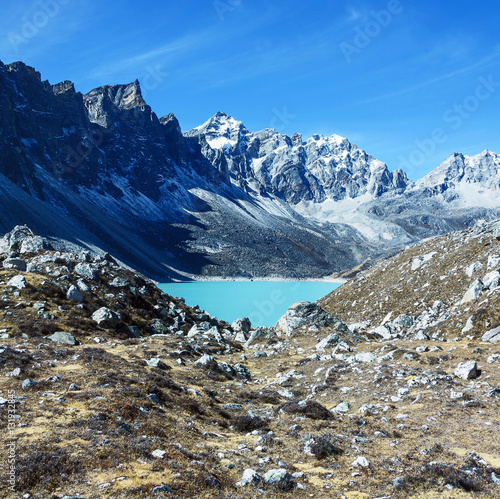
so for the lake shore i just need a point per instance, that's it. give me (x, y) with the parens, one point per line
(262, 279)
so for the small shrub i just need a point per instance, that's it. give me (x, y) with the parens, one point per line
(323, 446)
(246, 424)
(311, 409)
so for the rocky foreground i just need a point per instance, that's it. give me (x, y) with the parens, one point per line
(388, 388)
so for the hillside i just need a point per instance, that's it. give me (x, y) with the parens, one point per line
(119, 390)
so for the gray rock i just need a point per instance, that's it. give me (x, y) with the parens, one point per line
(73, 387)
(233, 407)
(206, 361)
(159, 327)
(119, 282)
(473, 292)
(249, 477)
(421, 336)
(15, 373)
(82, 286)
(14, 263)
(361, 461)
(275, 477)
(63, 338)
(254, 336)
(398, 482)
(34, 245)
(106, 317)
(301, 313)
(330, 340)
(74, 294)
(491, 280)
(383, 331)
(342, 407)
(225, 367)
(161, 488)
(473, 267)
(18, 282)
(28, 383)
(242, 371)
(214, 333)
(88, 271)
(365, 357)
(240, 337)
(494, 358)
(259, 354)
(493, 261)
(492, 336)
(158, 363)
(130, 331)
(403, 320)
(11, 242)
(194, 331)
(467, 370)
(242, 325)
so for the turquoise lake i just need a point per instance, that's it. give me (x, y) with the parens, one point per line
(263, 302)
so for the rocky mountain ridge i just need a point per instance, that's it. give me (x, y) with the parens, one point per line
(316, 170)
(104, 171)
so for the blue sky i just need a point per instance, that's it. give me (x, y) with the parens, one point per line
(410, 82)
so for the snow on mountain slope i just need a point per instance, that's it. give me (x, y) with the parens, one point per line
(482, 170)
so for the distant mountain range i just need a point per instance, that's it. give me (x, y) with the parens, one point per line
(102, 170)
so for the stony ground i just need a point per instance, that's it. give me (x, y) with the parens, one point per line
(119, 390)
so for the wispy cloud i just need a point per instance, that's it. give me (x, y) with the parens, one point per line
(167, 53)
(483, 64)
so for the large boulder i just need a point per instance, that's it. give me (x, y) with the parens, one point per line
(63, 338)
(34, 245)
(492, 336)
(14, 263)
(88, 271)
(21, 240)
(255, 335)
(242, 325)
(473, 292)
(106, 317)
(74, 294)
(467, 370)
(18, 282)
(304, 312)
(276, 477)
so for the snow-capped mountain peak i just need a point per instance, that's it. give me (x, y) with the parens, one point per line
(221, 131)
(481, 170)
